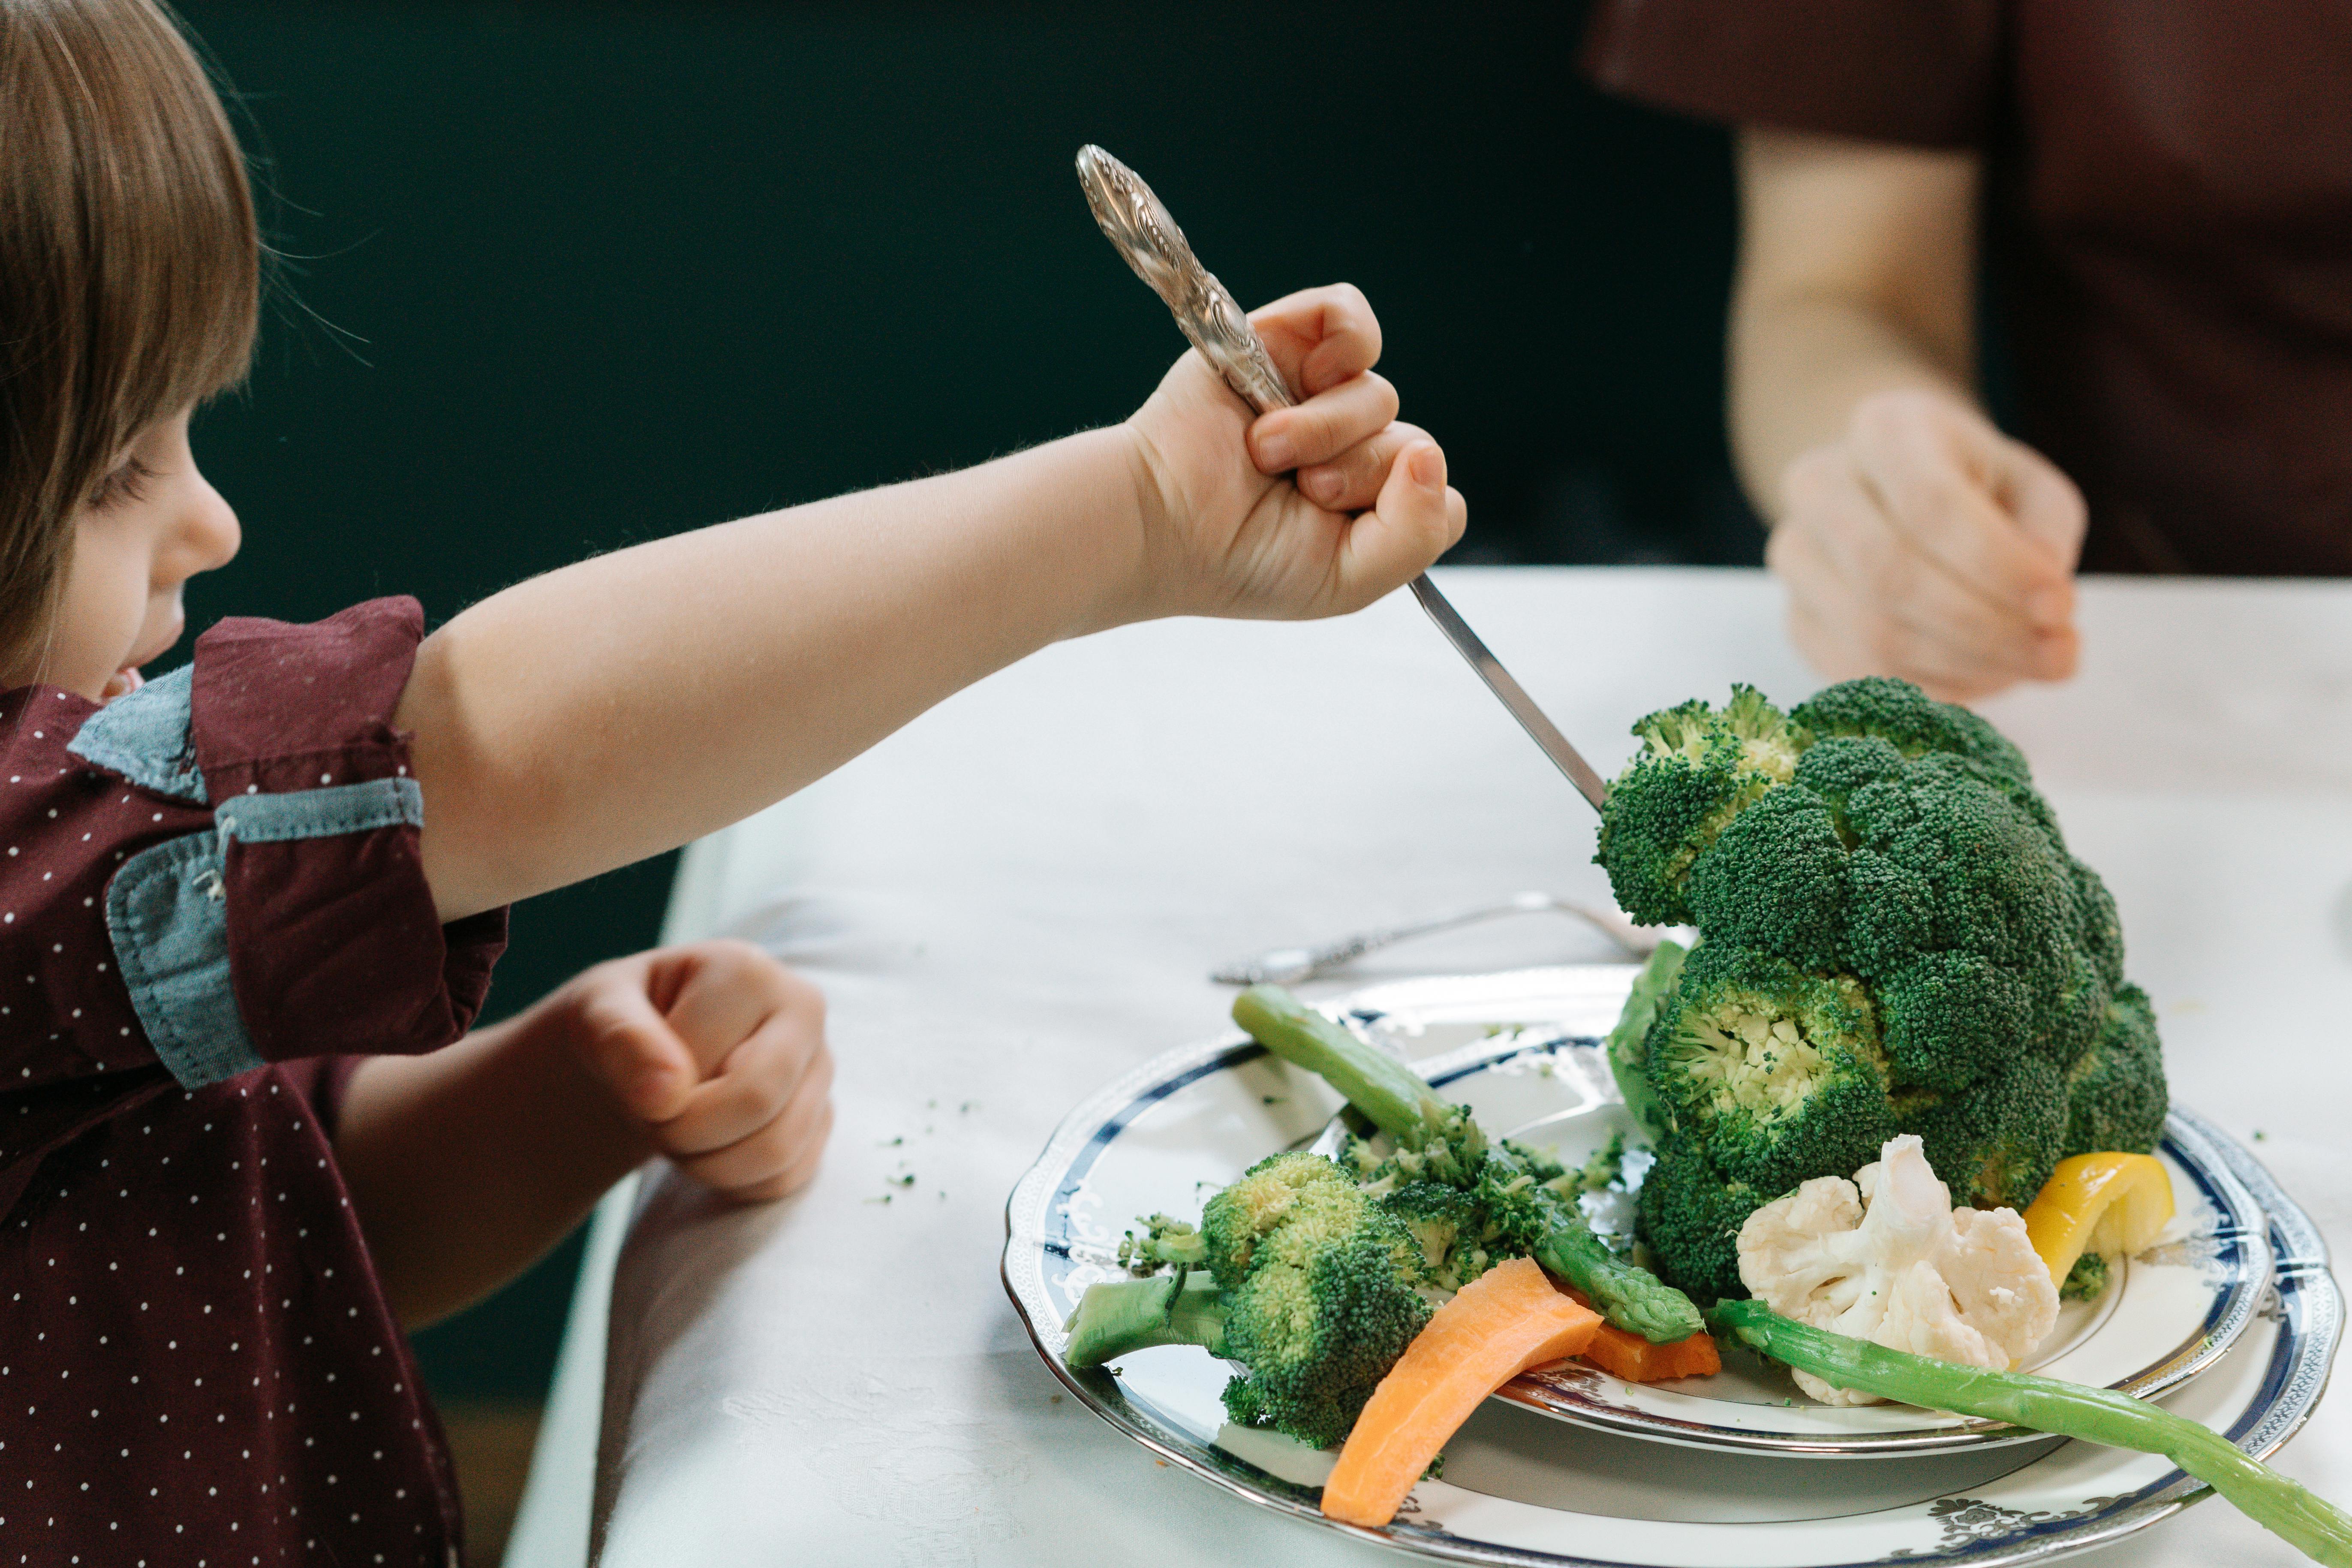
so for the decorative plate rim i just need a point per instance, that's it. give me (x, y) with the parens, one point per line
(2312, 1305)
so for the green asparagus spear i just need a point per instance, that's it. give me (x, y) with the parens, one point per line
(1628, 1041)
(2314, 1527)
(1402, 1104)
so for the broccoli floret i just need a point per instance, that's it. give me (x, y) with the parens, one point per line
(2115, 1094)
(2087, 1280)
(1775, 879)
(1629, 1041)
(1774, 1074)
(1690, 1215)
(1948, 1018)
(1913, 723)
(1995, 1142)
(2100, 929)
(1696, 771)
(1446, 1224)
(1313, 1290)
(1443, 1144)
(1164, 1240)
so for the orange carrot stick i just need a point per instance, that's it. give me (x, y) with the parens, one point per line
(1636, 1360)
(1507, 1320)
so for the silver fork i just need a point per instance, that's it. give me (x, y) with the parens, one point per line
(1289, 965)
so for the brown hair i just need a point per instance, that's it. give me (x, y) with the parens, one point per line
(130, 264)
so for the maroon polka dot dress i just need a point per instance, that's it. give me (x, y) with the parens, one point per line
(206, 887)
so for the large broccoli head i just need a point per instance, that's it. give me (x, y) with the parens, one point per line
(1891, 852)
(1318, 1294)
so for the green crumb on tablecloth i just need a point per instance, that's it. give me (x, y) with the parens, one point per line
(890, 1142)
(906, 1181)
(2261, 1136)
(967, 1107)
(1272, 1099)
(883, 1199)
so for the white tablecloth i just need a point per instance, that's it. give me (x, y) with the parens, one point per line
(1020, 894)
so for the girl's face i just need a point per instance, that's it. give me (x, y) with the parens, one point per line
(153, 525)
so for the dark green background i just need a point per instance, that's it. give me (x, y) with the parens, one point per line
(562, 277)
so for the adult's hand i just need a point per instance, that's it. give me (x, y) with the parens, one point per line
(1923, 543)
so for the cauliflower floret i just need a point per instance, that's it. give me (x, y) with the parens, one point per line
(1886, 1258)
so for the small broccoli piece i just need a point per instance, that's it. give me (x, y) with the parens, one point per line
(1628, 1058)
(1690, 1217)
(1995, 1142)
(1448, 1228)
(2087, 1280)
(1696, 771)
(1292, 1188)
(1313, 1290)
(1443, 1143)
(1164, 1240)
(1775, 880)
(2115, 1094)
(1776, 1075)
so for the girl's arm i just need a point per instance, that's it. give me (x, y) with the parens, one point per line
(468, 1164)
(626, 705)
(1916, 540)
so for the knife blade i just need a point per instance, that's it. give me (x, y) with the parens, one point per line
(1140, 229)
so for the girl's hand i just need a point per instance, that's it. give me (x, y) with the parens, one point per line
(1306, 512)
(717, 1052)
(1929, 545)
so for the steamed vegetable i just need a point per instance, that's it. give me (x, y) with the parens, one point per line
(2098, 1206)
(2313, 1526)
(1636, 1360)
(1885, 1258)
(1513, 1191)
(1896, 939)
(1507, 1320)
(1311, 1288)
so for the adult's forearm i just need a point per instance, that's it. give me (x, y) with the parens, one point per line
(623, 706)
(1856, 276)
(465, 1166)
(1800, 365)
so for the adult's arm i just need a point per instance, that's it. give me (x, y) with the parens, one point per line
(1916, 540)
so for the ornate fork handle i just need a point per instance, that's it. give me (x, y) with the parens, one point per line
(1139, 229)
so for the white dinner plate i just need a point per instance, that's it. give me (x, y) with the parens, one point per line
(1522, 1488)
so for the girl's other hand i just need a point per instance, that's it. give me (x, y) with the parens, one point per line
(1926, 544)
(1312, 510)
(717, 1052)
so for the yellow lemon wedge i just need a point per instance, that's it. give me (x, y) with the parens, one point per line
(2104, 1203)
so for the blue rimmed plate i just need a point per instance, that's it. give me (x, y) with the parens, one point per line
(1522, 1488)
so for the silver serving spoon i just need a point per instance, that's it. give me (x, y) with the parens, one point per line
(1140, 228)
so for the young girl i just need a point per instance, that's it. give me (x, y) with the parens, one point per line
(300, 847)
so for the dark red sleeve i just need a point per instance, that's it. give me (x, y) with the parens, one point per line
(334, 946)
(1918, 71)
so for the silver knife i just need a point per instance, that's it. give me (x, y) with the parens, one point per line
(1140, 228)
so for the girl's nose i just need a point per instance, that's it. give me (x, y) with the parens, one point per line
(208, 534)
